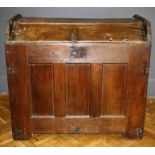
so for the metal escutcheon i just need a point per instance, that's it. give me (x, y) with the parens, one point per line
(76, 52)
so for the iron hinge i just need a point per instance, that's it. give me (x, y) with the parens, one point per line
(139, 132)
(10, 70)
(144, 69)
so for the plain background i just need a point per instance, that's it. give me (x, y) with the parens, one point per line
(6, 13)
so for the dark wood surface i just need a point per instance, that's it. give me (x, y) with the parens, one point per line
(49, 29)
(137, 86)
(42, 89)
(95, 53)
(59, 90)
(96, 90)
(114, 89)
(19, 91)
(78, 87)
(78, 125)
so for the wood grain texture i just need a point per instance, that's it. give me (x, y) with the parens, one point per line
(79, 125)
(78, 84)
(137, 87)
(19, 91)
(95, 53)
(50, 29)
(96, 90)
(59, 90)
(42, 89)
(98, 140)
(114, 87)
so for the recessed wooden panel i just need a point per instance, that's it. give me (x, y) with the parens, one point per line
(114, 89)
(96, 90)
(42, 89)
(78, 84)
(59, 90)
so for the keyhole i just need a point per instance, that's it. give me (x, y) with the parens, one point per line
(77, 129)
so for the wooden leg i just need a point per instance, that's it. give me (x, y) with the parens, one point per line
(18, 134)
(19, 91)
(136, 91)
(134, 133)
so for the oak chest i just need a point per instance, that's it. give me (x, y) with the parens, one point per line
(77, 75)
